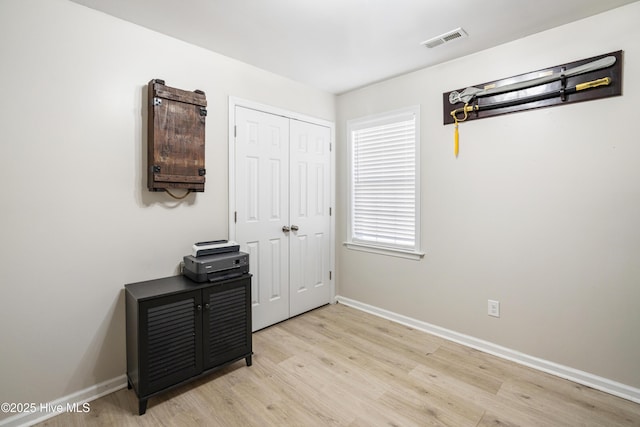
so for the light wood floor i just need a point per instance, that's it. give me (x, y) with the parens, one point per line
(339, 366)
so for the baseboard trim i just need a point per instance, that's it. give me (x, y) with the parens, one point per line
(74, 400)
(599, 383)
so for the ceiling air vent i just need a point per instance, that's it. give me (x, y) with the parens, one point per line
(458, 33)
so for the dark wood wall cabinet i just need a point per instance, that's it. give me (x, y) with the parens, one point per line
(179, 330)
(175, 146)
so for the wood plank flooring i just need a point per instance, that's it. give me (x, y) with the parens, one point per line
(337, 366)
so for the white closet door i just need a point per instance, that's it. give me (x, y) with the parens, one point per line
(262, 209)
(282, 199)
(310, 166)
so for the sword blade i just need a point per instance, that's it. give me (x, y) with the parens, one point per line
(605, 81)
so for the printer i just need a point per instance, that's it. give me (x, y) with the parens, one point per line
(214, 247)
(216, 267)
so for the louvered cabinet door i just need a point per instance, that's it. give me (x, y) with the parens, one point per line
(227, 322)
(170, 341)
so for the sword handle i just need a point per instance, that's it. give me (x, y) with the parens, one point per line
(605, 81)
(456, 137)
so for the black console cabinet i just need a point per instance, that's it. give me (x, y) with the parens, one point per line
(178, 330)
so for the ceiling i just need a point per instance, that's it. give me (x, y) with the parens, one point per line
(340, 45)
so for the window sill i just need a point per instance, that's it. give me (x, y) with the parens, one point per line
(385, 251)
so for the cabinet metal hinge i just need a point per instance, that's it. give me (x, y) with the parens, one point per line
(330, 147)
(203, 112)
(329, 275)
(235, 216)
(235, 131)
(329, 210)
(202, 172)
(157, 101)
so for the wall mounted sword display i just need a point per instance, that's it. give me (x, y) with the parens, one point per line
(605, 81)
(471, 93)
(558, 85)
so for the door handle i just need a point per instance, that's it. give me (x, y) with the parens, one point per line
(285, 229)
(294, 228)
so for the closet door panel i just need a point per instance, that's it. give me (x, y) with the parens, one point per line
(262, 209)
(310, 220)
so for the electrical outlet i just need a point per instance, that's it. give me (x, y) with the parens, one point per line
(494, 308)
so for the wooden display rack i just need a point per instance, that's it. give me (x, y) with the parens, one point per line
(525, 99)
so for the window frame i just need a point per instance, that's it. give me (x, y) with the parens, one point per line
(370, 122)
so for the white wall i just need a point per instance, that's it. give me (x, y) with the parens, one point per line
(541, 210)
(76, 219)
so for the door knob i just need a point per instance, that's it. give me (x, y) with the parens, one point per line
(285, 229)
(294, 228)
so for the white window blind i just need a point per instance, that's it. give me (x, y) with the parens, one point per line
(384, 171)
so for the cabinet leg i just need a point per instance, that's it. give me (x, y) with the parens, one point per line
(142, 406)
(248, 360)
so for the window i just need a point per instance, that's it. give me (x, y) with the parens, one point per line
(384, 193)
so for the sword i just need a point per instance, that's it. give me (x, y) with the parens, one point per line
(471, 93)
(605, 81)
